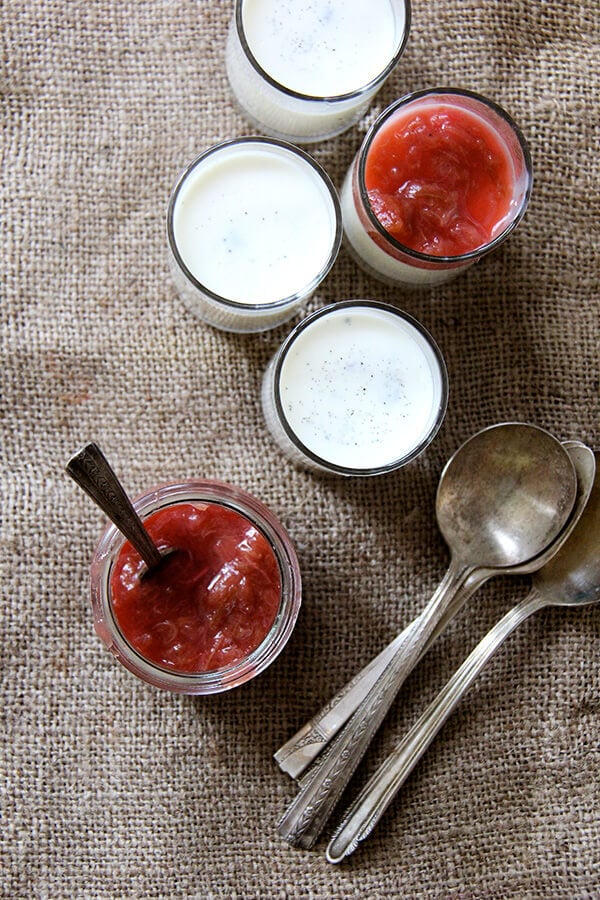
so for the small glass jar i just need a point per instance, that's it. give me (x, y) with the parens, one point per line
(305, 72)
(218, 680)
(254, 226)
(357, 388)
(372, 245)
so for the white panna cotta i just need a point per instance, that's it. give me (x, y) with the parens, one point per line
(352, 40)
(254, 226)
(357, 388)
(308, 70)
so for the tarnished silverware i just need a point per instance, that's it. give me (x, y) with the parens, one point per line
(503, 497)
(90, 469)
(300, 751)
(570, 578)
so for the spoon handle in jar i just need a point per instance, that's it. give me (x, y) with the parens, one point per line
(90, 469)
(367, 809)
(307, 814)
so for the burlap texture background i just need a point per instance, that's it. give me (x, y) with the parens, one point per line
(112, 789)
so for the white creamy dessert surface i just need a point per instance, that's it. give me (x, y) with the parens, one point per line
(254, 223)
(361, 388)
(322, 48)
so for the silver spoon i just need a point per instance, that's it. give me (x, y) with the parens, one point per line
(295, 756)
(570, 578)
(503, 497)
(90, 469)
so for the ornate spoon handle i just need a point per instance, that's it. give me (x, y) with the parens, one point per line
(92, 472)
(364, 813)
(296, 755)
(308, 813)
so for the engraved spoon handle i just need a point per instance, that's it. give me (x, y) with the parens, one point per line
(367, 809)
(307, 814)
(304, 746)
(297, 754)
(90, 469)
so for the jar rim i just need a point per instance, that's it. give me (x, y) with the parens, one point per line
(332, 198)
(365, 90)
(335, 468)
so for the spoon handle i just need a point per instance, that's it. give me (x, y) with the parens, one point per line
(90, 469)
(295, 756)
(306, 816)
(367, 809)
(304, 746)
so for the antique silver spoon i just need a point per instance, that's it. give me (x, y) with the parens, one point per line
(503, 497)
(90, 469)
(570, 578)
(295, 756)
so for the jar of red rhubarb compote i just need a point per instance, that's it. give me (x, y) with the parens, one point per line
(219, 610)
(442, 177)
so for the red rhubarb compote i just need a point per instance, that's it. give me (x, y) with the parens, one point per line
(211, 603)
(439, 179)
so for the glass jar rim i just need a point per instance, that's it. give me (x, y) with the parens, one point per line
(214, 680)
(398, 463)
(334, 98)
(416, 96)
(320, 172)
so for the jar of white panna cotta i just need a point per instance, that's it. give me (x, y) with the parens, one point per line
(308, 71)
(254, 225)
(357, 388)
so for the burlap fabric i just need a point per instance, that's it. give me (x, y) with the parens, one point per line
(113, 789)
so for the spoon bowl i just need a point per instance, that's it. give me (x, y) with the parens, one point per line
(503, 497)
(570, 578)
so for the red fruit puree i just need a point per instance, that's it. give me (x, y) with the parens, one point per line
(209, 605)
(439, 180)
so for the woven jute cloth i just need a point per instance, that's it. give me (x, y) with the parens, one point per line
(111, 788)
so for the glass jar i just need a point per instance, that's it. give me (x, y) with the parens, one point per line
(202, 492)
(254, 226)
(427, 175)
(357, 388)
(305, 72)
